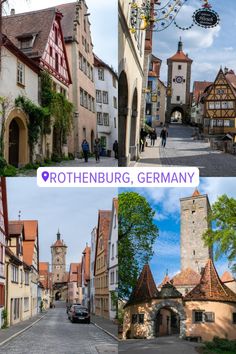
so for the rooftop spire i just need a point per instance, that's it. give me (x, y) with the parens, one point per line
(180, 45)
(58, 235)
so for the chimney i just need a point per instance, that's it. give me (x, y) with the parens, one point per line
(226, 70)
(13, 12)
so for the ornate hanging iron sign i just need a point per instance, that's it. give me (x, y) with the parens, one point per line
(156, 18)
(206, 18)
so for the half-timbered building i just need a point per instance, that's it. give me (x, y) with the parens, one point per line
(220, 104)
(39, 36)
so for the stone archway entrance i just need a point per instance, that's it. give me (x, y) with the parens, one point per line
(168, 318)
(122, 117)
(167, 322)
(58, 296)
(14, 140)
(133, 128)
(177, 115)
(16, 149)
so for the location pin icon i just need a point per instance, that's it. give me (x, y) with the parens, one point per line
(45, 176)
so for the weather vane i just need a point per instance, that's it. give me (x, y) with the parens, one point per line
(155, 17)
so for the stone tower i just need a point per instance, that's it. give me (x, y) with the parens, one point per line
(194, 212)
(58, 250)
(178, 87)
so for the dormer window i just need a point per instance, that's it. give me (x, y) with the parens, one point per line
(27, 40)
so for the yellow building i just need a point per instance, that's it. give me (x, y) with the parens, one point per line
(208, 310)
(18, 277)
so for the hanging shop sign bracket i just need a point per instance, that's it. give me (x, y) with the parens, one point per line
(156, 18)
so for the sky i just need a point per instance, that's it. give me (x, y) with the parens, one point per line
(73, 211)
(103, 20)
(209, 48)
(165, 202)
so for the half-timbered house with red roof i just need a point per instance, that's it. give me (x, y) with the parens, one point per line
(39, 36)
(220, 105)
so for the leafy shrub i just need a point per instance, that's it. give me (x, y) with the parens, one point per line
(9, 171)
(221, 344)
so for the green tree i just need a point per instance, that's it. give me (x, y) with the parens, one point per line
(137, 234)
(223, 234)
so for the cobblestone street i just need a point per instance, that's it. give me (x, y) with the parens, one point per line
(104, 162)
(56, 334)
(162, 345)
(182, 150)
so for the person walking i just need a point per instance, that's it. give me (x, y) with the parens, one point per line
(115, 149)
(85, 148)
(97, 149)
(153, 137)
(163, 136)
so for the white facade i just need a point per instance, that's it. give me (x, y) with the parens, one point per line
(113, 260)
(92, 278)
(9, 87)
(179, 70)
(106, 85)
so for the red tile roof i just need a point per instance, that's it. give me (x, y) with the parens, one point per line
(198, 89)
(227, 277)
(35, 22)
(196, 193)
(145, 288)
(73, 274)
(44, 266)
(211, 287)
(15, 228)
(180, 56)
(164, 281)
(186, 277)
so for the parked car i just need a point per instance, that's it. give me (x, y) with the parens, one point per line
(68, 306)
(79, 314)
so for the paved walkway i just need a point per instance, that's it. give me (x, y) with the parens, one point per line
(104, 162)
(56, 334)
(7, 333)
(107, 325)
(182, 150)
(162, 345)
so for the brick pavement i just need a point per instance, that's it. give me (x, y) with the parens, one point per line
(107, 325)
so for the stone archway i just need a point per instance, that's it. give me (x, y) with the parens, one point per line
(16, 149)
(122, 117)
(177, 115)
(173, 306)
(57, 295)
(133, 126)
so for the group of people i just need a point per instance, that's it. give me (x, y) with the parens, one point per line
(97, 148)
(153, 137)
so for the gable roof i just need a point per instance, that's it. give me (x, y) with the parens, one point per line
(73, 273)
(99, 63)
(186, 277)
(15, 228)
(39, 22)
(104, 219)
(211, 287)
(199, 88)
(145, 289)
(164, 281)
(227, 277)
(36, 23)
(168, 291)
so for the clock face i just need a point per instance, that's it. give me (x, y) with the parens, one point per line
(58, 250)
(179, 79)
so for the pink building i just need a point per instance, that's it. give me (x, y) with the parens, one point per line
(3, 235)
(74, 295)
(79, 47)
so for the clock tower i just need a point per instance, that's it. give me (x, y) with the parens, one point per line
(178, 89)
(58, 250)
